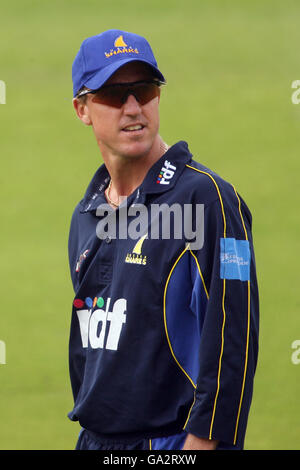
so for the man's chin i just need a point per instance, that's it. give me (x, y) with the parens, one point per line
(136, 150)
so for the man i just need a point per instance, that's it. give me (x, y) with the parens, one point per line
(164, 332)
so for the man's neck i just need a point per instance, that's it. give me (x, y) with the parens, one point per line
(128, 173)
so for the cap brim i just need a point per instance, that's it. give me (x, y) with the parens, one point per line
(99, 78)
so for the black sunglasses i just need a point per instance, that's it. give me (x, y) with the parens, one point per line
(116, 94)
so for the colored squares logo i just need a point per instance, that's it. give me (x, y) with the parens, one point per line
(89, 302)
(159, 177)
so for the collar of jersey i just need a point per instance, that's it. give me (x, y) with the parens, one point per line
(177, 155)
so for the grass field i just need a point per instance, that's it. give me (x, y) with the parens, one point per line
(229, 66)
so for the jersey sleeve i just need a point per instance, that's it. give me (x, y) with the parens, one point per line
(229, 323)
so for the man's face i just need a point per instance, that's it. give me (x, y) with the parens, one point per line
(113, 126)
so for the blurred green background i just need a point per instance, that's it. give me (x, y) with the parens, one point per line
(229, 66)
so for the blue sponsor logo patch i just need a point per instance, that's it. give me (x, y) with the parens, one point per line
(235, 259)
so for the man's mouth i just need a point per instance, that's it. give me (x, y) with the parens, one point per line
(132, 128)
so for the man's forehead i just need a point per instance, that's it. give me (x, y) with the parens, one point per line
(131, 72)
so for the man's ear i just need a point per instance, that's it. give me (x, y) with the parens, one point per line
(82, 111)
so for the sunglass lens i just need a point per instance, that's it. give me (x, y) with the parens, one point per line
(146, 92)
(117, 95)
(111, 96)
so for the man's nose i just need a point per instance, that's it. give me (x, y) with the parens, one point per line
(131, 104)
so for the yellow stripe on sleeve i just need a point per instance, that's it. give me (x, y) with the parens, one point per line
(223, 300)
(248, 330)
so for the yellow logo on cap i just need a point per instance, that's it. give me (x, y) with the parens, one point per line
(121, 48)
(119, 42)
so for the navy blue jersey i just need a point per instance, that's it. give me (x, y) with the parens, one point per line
(164, 335)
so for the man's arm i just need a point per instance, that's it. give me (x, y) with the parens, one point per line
(224, 269)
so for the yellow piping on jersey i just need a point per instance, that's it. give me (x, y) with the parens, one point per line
(248, 331)
(165, 316)
(218, 191)
(189, 414)
(165, 321)
(220, 361)
(242, 219)
(223, 300)
(202, 278)
(200, 273)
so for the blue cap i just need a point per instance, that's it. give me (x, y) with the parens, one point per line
(100, 56)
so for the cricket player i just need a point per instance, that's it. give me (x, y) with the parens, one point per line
(164, 330)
